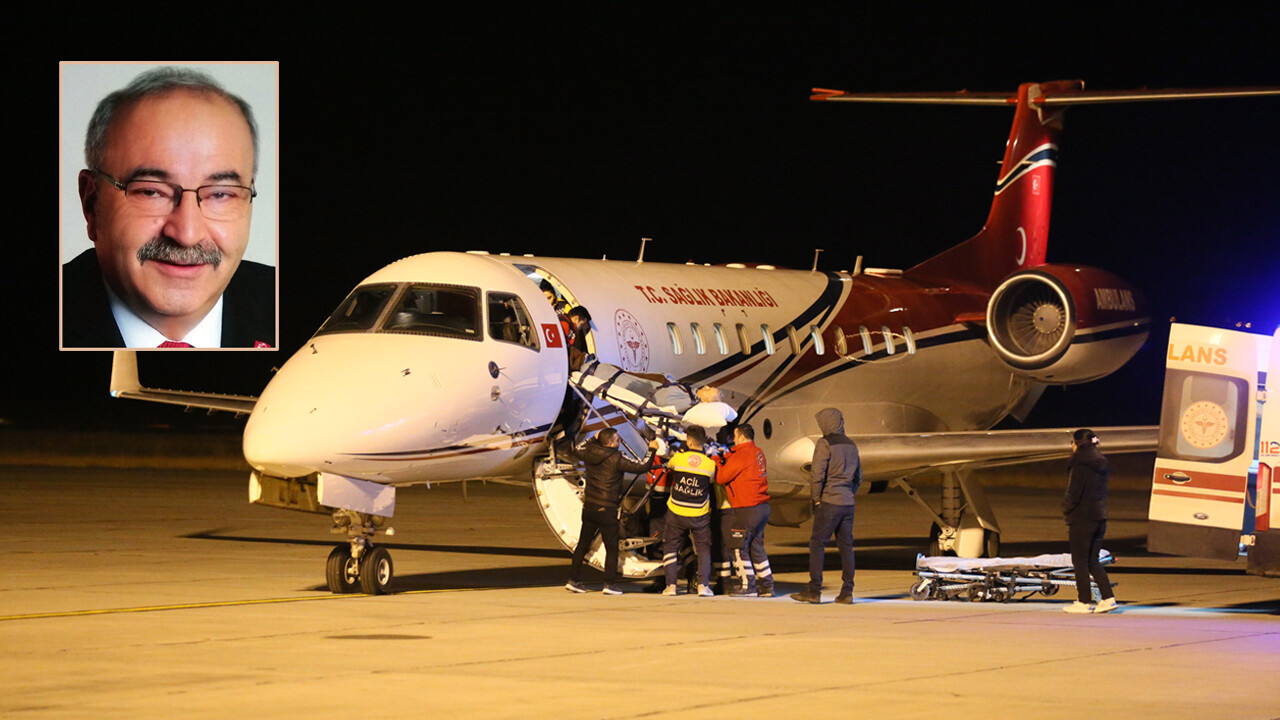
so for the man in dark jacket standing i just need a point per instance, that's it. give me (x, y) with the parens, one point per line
(833, 482)
(605, 465)
(1084, 507)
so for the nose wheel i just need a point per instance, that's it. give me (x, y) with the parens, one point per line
(371, 573)
(342, 572)
(376, 571)
(357, 565)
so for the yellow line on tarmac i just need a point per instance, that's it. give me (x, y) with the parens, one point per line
(227, 603)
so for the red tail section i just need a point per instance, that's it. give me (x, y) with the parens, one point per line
(1017, 230)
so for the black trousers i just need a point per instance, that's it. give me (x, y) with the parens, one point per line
(1085, 539)
(604, 522)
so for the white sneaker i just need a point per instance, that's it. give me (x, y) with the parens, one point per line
(1078, 607)
(670, 590)
(1105, 606)
(705, 591)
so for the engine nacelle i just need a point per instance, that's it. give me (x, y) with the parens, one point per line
(1061, 324)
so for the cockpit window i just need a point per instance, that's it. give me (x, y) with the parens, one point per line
(436, 310)
(442, 310)
(509, 321)
(359, 311)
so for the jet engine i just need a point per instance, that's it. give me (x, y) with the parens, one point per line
(1062, 324)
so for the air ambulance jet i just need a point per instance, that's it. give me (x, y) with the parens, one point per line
(452, 366)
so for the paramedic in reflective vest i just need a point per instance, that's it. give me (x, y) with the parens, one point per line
(744, 475)
(605, 465)
(833, 482)
(690, 474)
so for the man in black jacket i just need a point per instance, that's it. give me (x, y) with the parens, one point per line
(605, 465)
(1084, 507)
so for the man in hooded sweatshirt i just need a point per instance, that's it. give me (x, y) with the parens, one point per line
(833, 482)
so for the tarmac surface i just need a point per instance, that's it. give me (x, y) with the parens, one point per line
(166, 594)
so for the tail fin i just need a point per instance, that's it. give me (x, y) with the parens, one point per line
(1017, 230)
(1016, 234)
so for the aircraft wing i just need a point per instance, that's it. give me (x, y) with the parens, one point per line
(125, 384)
(886, 457)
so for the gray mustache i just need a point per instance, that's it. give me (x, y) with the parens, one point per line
(166, 249)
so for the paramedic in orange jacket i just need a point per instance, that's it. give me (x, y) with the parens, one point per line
(745, 477)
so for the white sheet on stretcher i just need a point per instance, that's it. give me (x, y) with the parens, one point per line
(1038, 562)
(634, 393)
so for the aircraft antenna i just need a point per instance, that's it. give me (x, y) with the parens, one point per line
(857, 266)
(643, 242)
(816, 253)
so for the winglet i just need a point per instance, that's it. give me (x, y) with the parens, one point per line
(124, 372)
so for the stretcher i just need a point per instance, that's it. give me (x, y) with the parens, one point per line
(996, 579)
(657, 400)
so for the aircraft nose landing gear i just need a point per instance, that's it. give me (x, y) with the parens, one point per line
(359, 566)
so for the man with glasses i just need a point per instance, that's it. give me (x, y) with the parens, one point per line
(167, 198)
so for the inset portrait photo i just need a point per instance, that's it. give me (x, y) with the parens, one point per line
(168, 196)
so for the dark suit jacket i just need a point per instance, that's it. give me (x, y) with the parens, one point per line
(248, 306)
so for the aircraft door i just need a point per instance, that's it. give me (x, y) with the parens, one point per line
(528, 374)
(1264, 556)
(1200, 484)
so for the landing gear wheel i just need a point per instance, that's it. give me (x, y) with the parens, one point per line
(376, 571)
(935, 548)
(991, 543)
(342, 572)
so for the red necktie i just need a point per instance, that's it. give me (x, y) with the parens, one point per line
(172, 344)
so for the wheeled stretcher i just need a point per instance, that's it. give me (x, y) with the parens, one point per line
(998, 579)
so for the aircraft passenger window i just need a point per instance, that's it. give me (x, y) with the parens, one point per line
(359, 311)
(768, 339)
(674, 332)
(698, 344)
(888, 339)
(743, 341)
(795, 340)
(509, 321)
(720, 341)
(842, 345)
(866, 339)
(436, 310)
(911, 340)
(816, 334)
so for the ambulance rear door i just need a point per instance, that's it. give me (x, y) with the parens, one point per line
(1207, 427)
(1264, 555)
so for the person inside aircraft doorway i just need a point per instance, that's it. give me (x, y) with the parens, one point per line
(602, 494)
(578, 348)
(1084, 507)
(562, 311)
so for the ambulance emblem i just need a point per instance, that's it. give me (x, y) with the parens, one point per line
(633, 346)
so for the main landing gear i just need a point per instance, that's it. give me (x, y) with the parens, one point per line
(966, 525)
(359, 566)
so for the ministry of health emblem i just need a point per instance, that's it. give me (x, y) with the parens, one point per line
(633, 346)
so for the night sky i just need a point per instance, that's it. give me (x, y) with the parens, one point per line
(577, 136)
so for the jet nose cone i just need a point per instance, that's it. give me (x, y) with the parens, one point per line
(340, 403)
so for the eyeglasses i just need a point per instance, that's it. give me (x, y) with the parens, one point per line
(156, 198)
